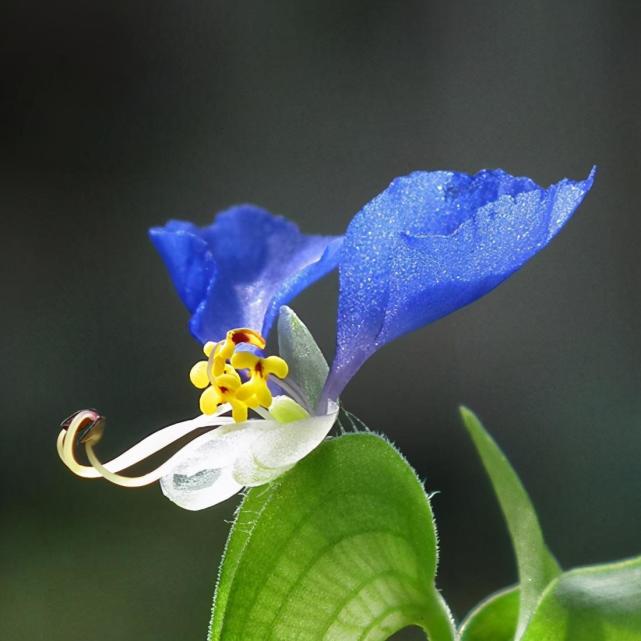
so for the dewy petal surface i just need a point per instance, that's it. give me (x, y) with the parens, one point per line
(239, 270)
(433, 242)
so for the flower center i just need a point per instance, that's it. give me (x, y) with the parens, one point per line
(220, 375)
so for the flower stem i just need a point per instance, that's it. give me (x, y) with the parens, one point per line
(438, 623)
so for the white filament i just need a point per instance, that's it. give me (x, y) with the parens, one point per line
(139, 452)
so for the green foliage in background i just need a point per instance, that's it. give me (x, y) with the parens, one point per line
(344, 547)
(536, 565)
(600, 603)
(494, 619)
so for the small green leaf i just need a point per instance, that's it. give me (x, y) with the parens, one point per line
(536, 565)
(598, 603)
(307, 365)
(341, 547)
(494, 619)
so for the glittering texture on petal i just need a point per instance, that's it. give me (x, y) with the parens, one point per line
(297, 282)
(433, 242)
(238, 271)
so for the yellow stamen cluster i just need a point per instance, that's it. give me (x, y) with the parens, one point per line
(219, 375)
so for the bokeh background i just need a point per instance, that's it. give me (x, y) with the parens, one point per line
(119, 115)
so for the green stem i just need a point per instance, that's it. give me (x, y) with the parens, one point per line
(438, 623)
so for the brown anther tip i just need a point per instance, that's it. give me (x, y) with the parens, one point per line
(64, 425)
(92, 432)
(240, 337)
(246, 335)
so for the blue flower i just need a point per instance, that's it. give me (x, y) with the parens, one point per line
(431, 243)
(239, 270)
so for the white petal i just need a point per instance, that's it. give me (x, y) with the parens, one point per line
(249, 472)
(203, 489)
(202, 472)
(278, 446)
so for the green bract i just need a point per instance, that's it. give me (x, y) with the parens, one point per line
(307, 365)
(599, 603)
(341, 547)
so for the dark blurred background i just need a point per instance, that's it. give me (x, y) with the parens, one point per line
(119, 115)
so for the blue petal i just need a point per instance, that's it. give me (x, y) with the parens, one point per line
(239, 270)
(431, 243)
(187, 257)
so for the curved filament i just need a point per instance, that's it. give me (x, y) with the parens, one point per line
(80, 429)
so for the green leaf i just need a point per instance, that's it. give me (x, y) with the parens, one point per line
(494, 619)
(307, 365)
(341, 547)
(536, 565)
(597, 603)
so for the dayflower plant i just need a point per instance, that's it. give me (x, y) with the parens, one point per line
(429, 244)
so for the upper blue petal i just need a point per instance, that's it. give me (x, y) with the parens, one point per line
(433, 242)
(188, 258)
(239, 270)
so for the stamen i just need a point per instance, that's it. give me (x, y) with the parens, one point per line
(223, 391)
(86, 427)
(199, 375)
(67, 421)
(220, 381)
(224, 350)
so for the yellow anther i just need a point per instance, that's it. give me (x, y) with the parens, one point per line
(255, 389)
(244, 360)
(235, 337)
(218, 362)
(227, 382)
(275, 365)
(210, 399)
(198, 375)
(208, 348)
(221, 382)
(224, 350)
(260, 369)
